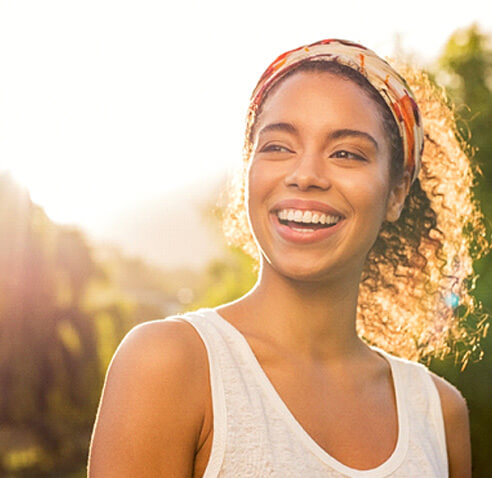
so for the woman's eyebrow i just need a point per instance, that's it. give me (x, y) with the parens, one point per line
(287, 127)
(343, 133)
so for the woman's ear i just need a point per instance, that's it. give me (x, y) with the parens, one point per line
(397, 197)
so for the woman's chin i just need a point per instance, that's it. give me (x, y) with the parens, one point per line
(303, 271)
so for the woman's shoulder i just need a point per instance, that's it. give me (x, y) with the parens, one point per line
(455, 419)
(457, 427)
(160, 348)
(452, 401)
(454, 415)
(451, 398)
(153, 403)
(162, 353)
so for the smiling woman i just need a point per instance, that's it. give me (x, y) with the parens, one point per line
(359, 237)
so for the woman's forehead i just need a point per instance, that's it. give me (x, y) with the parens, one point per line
(317, 99)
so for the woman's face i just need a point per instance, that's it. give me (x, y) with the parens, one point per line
(320, 155)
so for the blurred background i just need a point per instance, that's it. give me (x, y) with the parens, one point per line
(120, 124)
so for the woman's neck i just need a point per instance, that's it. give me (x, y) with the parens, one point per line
(313, 319)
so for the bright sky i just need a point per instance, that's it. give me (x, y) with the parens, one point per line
(105, 103)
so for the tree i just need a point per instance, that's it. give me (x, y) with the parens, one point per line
(465, 69)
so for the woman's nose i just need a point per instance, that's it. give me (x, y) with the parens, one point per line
(308, 172)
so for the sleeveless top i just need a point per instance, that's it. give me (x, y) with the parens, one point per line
(256, 436)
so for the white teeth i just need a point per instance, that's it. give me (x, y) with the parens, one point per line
(307, 217)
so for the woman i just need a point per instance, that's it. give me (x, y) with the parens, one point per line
(353, 249)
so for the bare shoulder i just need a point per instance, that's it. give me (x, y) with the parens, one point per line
(452, 401)
(163, 354)
(456, 422)
(171, 344)
(152, 405)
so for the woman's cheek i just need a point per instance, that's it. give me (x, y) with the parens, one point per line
(261, 179)
(368, 191)
(254, 192)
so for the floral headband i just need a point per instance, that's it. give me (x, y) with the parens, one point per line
(391, 86)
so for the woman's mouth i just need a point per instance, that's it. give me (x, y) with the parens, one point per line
(301, 226)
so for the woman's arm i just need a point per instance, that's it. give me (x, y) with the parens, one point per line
(152, 406)
(455, 412)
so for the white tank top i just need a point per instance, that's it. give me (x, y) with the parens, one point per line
(255, 434)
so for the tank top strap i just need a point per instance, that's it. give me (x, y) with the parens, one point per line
(435, 410)
(423, 404)
(214, 345)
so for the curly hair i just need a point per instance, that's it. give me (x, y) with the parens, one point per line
(415, 293)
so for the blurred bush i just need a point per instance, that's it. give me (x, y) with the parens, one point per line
(64, 307)
(465, 69)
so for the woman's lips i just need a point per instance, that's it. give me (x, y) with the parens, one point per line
(306, 235)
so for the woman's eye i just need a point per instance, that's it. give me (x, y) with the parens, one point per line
(348, 155)
(275, 148)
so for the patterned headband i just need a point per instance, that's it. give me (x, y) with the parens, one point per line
(391, 86)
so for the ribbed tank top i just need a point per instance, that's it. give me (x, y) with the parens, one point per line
(256, 435)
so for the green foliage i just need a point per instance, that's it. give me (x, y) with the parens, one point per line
(466, 70)
(63, 310)
(226, 279)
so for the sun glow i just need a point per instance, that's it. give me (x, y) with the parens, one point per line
(104, 104)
